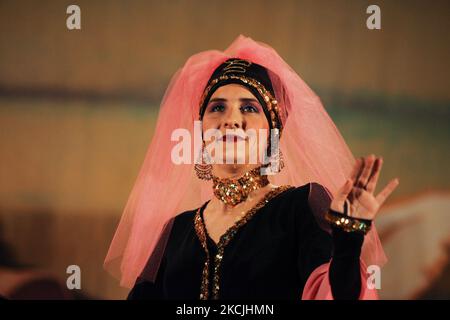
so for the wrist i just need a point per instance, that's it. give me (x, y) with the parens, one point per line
(346, 222)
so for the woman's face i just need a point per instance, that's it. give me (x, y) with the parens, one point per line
(232, 108)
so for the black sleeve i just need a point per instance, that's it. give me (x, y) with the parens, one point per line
(314, 244)
(344, 273)
(147, 290)
(143, 288)
(317, 246)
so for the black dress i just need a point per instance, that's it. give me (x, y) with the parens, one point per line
(269, 255)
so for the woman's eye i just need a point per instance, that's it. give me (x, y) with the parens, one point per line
(217, 107)
(249, 108)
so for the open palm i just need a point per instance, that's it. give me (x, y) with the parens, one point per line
(359, 189)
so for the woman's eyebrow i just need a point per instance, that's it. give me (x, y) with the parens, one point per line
(217, 99)
(240, 99)
(248, 100)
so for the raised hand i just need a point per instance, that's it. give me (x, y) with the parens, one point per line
(359, 189)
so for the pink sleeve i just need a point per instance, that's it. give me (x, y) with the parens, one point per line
(318, 286)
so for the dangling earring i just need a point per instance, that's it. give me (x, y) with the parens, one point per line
(278, 158)
(281, 159)
(204, 170)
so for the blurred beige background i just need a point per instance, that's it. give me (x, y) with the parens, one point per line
(77, 111)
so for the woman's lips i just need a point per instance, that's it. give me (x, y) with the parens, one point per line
(232, 138)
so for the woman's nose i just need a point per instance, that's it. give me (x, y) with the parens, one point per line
(232, 124)
(234, 121)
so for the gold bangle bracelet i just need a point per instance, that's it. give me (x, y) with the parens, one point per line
(347, 223)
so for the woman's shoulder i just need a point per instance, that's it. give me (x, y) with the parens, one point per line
(311, 198)
(185, 218)
(309, 192)
(185, 215)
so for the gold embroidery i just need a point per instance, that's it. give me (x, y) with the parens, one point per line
(223, 242)
(236, 65)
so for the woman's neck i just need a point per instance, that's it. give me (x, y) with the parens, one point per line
(231, 171)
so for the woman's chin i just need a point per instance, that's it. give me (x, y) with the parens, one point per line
(236, 161)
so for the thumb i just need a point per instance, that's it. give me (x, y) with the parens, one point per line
(343, 192)
(341, 195)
